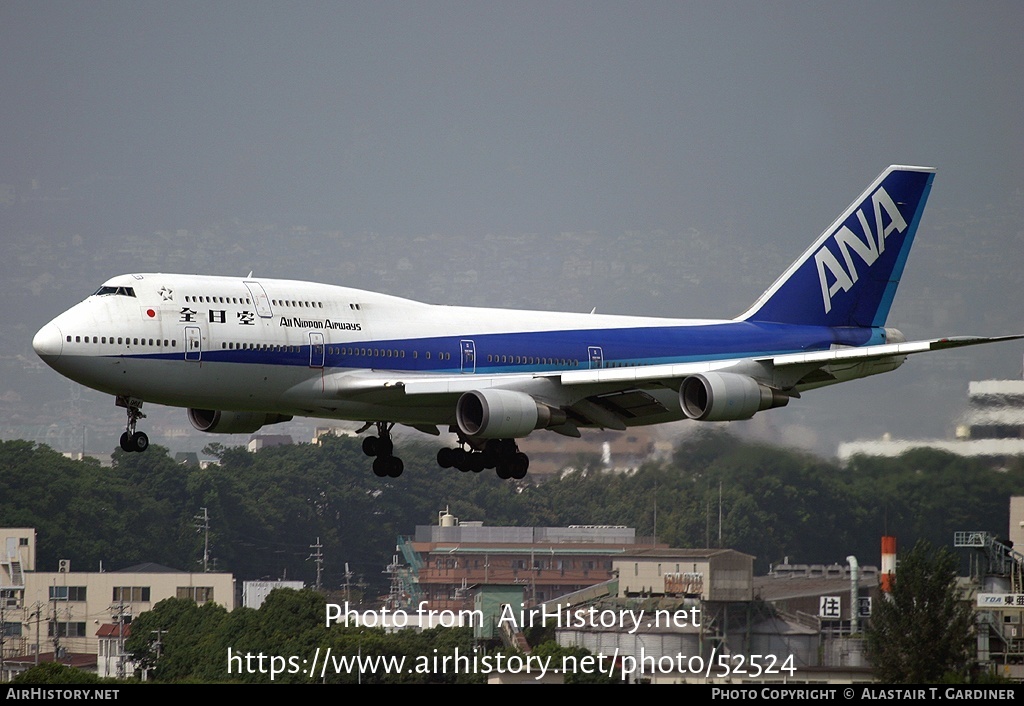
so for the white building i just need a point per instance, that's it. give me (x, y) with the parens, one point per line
(255, 592)
(61, 612)
(992, 426)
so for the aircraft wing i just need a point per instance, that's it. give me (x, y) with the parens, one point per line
(783, 371)
(676, 371)
(613, 398)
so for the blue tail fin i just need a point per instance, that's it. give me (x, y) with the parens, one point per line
(848, 277)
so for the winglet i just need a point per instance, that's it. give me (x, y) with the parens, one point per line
(848, 277)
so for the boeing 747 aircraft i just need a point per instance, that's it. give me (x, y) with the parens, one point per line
(241, 353)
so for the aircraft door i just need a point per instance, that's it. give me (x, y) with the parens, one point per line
(468, 356)
(259, 299)
(193, 343)
(596, 356)
(316, 350)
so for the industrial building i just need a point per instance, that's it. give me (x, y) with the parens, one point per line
(995, 587)
(444, 561)
(606, 590)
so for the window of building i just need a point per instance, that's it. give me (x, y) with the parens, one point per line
(66, 629)
(199, 594)
(131, 594)
(67, 593)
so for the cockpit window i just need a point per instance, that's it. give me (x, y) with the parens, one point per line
(120, 291)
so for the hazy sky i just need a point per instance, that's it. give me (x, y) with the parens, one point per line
(518, 116)
(467, 118)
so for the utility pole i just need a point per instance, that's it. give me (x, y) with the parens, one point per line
(318, 557)
(204, 527)
(348, 582)
(56, 631)
(118, 613)
(719, 514)
(3, 628)
(38, 615)
(654, 541)
(159, 645)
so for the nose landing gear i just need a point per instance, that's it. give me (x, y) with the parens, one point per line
(132, 440)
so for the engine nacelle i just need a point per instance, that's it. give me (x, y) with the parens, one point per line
(503, 414)
(722, 397)
(214, 421)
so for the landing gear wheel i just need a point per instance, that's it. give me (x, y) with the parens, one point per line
(385, 464)
(500, 454)
(476, 462)
(460, 459)
(520, 464)
(370, 446)
(132, 440)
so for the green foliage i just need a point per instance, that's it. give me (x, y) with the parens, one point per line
(54, 673)
(267, 508)
(277, 643)
(177, 638)
(922, 633)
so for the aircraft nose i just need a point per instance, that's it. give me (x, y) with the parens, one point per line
(48, 342)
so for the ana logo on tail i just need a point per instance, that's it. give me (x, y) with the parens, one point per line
(868, 249)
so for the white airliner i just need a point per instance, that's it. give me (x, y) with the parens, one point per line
(240, 353)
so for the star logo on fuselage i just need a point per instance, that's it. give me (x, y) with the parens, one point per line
(167, 294)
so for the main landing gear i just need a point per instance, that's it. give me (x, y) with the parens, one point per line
(503, 455)
(385, 463)
(132, 440)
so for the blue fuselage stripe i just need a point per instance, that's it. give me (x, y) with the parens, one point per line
(550, 350)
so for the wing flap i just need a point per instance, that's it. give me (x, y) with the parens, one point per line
(354, 384)
(665, 374)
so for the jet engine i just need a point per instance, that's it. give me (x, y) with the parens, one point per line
(503, 414)
(721, 397)
(217, 422)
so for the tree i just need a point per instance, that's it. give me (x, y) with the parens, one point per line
(54, 673)
(923, 632)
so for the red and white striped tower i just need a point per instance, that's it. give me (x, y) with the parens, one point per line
(888, 562)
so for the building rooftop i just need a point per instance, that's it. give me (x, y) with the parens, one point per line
(149, 567)
(663, 552)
